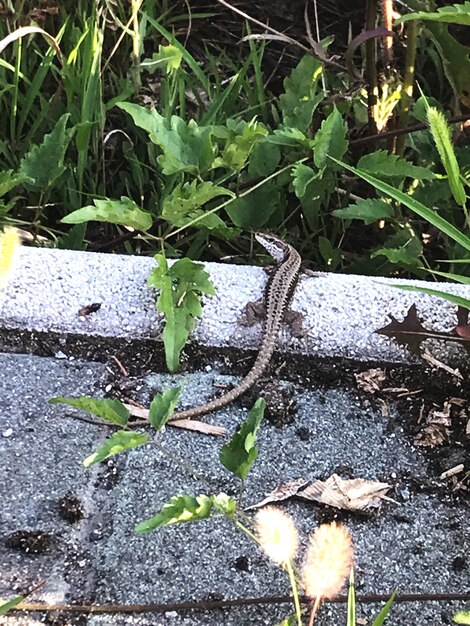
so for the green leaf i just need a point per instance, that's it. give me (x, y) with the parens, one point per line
(186, 147)
(225, 505)
(403, 248)
(316, 199)
(241, 139)
(239, 454)
(385, 165)
(455, 14)
(368, 211)
(292, 620)
(162, 406)
(10, 604)
(302, 175)
(264, 159)
(428, 214)
(182, 508)
(458, 278)
(351, 606)
(450, 297)
(462, 617)
(330, 140)
(124, 211)
(9, 180)
(44, 163)
(455, 59)
(301, 96)
(254, 210)
(184, 205)
(384, 611)
(109, 409)
(180, 288)
(290, 137)
(169, 57)
(117, 443)
(330, 253)
(441, 135)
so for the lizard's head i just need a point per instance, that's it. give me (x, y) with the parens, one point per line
(275, 246)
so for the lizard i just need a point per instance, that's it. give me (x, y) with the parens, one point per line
(277, 295)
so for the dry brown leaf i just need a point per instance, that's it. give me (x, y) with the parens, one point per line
(280, 493)
(437, 427)
(355, 494)
(371, 380)
(196, 425)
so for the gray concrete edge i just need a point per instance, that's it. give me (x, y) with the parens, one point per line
(341, 312)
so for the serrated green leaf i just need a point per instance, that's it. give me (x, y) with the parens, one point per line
(440, 132)
(302, 95)
(239, 454)
(182, 508)
(302, 175)
(44, 163)
(118, 442)
(179, 300)
(330, 139)
(163, 406)
(124, 211)
(239, 144)
(185, 202)
(169, 57)
(385, 165)
(9, 180)
(403, 248)
(369, 211)
(109, 409)
(186, 147)
(455, 14)
(10, 604)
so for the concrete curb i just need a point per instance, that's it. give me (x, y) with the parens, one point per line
(341, 312)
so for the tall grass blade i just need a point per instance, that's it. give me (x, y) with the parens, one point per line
(417, 207)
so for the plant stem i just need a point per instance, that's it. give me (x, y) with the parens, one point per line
(295, 592)
(371, 69)
(315, 606)
(408, 82)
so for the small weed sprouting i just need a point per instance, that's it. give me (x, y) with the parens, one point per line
(181, 286)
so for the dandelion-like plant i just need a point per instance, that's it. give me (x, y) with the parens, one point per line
(277, 535)
(328, 564)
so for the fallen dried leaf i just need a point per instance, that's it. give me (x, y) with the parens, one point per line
(280, 493)
(437, 427)
(371, 380)
(355, 494)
